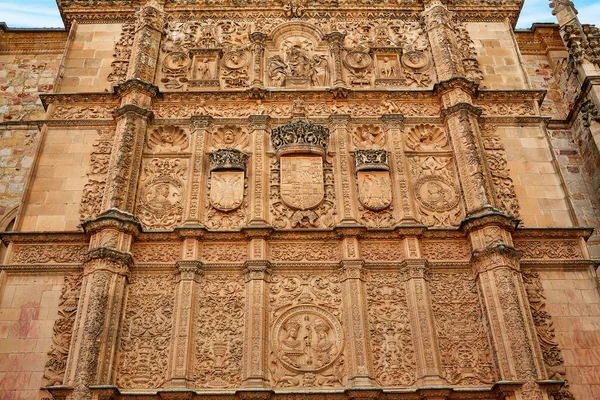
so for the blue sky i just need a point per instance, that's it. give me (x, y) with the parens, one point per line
(44, 13)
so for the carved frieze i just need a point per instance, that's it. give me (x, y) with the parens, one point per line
(464, 345)
(224, 252)
(305, 251)
(381, 250)
(62, 331)
(146, 332)
(162, 192)
(156, 252)
(550, 249)
(42, 254)
(219, 332)
(445, 250)
(390, 330)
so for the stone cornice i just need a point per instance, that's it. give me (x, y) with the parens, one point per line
(490, 218)
(27, 41)
(113, 219)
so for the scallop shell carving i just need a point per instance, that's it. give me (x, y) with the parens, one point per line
(168, 138)
(426, 137)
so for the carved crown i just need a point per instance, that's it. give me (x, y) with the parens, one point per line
(371, 160)
(227, 159)
(300, 137)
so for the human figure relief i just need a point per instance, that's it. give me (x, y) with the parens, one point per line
(292, 349)
(388, 70)
(204, 70)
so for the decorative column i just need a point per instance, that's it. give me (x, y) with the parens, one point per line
(403, 197)
(258, 125)
(461, 121)
(414, 272)
(258, 49)
(256, 336)
(149, 27)
(193, 213)
(106, 269)
(346, 188)
(187, 273)
(352, 276)
(495, 263)
(336, 45)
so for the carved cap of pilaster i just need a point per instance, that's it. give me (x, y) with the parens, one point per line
(190, 231)
(258, 122)
(107, 259)
(254, 394)
(350, 230)
(136, 85)
(352, 269)
(258, 38)
(490, 218)
(257, 270)
(557, 5)
(339, 121)
(300, 137)
(188, 270)
(104, 392)
(335, 38)
(436, 14)
(113, 219)
(133, 110)
(176, 394)
(227, 159)
(366, 394)
(461, 107)
(393, 121)
(152, 17)
(261, 232)
(496, 256)
(59, 392)
(414, 269)
(457, 82)
(200, 122)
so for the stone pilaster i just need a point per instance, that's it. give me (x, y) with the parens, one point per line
(404, 201)
(336, 45)
(92, 356)
(258, 49)
(255, 373)
(461, 122)
(194, 208)
(496, 266)
(259, 126)
(414, 271)
(149, 26)
(188, 272)
(357, 335)
(438, 24)
(346, 189)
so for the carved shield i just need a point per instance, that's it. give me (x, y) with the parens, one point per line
(302, 185)
(374, 189)
(226, 189)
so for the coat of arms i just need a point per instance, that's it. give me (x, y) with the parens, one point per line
(302, 185)
(374, 189)
(226, 189)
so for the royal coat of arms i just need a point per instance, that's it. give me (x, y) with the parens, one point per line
(302, 186)
(374, 189)
(226, 189)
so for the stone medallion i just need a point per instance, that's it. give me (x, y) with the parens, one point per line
(415, 59)
(302, 185)
(226, 189)
(307, 339)
(436, 194)
(162, 195)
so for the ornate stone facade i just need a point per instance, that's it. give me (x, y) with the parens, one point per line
(292, 199)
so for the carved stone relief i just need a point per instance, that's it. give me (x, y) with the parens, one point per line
(445, 250)
(168, 139)
(93, 191)
(156, 252)
(62, 331)
(317, 251)
(374, 186)
(146, 332)
(229, 136)
(122, 54)
(550, 249)
(390, 328)
(219, 332)
(307, 335)
(162, 192)
(228, 252)
(464, 344)
(381, 250)
(497, 162)
(42, 254)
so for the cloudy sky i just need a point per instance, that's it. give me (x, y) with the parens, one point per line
(44, 13)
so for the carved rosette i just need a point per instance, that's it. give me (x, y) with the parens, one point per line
(162, 193)
(307, 335)
(226, 189)
(390, 331)
(146, 332)
(219, 332)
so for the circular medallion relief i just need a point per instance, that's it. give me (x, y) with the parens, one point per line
(177, 60)
(235, 59)
(358, 59)
(434, 193)
(307, 339)
(415, 59)
(162, 195)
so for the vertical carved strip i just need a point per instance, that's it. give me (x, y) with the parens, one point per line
(193, 214)
(438, 23)
(149, 26)
(336, 45)
(259, 126)
(339, 124)
(258, 48)
(352, 276)
(255, 371)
